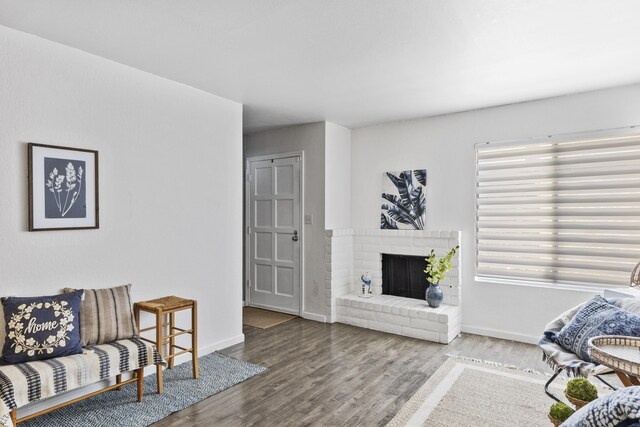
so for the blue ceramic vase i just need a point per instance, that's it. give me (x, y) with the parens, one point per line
(434, 295)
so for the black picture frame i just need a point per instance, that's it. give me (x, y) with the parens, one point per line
(63, 188)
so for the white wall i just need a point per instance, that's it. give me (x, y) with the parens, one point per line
(337, 177)
(445, 146)
(167, 225)
(310, 139)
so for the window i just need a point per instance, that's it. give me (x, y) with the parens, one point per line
(559, 210)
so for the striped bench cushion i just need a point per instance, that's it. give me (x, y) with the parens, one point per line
(24, 383)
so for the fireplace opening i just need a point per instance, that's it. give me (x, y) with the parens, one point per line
(404, 276)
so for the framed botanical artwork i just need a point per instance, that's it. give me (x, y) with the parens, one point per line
(63, 188)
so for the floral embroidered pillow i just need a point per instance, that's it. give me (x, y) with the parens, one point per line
(40, 328)
(597, 317)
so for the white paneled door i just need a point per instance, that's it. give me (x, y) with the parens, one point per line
(274, 234)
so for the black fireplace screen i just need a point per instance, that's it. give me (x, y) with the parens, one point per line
(404, 276)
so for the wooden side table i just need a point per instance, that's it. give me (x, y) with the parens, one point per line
(170, 305)
(620, 353)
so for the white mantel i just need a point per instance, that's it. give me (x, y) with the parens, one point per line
(350, 253)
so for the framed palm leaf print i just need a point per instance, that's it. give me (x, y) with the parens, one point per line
(404, 200)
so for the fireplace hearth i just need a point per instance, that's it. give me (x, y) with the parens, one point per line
(352, 252)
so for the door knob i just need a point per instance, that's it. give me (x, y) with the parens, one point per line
(295, 236)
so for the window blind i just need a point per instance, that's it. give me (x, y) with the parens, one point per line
(559, 210)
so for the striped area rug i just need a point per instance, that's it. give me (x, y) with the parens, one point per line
(474, 393)
(121, 408)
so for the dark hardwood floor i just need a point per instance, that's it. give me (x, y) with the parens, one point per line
(336, 375)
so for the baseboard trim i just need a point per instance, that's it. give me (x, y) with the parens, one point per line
(498, 333)
(208, 349)
(313, 316)
(221, 345)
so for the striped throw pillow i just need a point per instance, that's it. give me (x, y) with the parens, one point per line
(106, 315)
(3, 332)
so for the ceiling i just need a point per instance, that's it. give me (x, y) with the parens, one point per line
(354, 62)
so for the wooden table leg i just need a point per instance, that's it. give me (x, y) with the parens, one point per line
(159, 345)
(172, 340)
(140, 374)
(194, 338)
(14, 417)
(118, 380)
(627, 380)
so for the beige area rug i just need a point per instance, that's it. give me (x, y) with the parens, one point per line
(263, 319)
(473, 393)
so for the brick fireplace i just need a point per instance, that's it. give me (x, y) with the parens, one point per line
(351, 252)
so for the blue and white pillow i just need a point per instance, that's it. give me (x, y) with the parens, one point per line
(620, 408)
(40, 328)
(597, 317)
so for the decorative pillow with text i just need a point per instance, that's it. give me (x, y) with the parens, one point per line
(40, 328)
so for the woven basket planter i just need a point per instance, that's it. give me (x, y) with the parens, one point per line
(576, 402)
(555, 422)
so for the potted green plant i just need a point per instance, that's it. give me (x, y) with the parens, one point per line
(436, 270)
(559, 413)
(580, 391)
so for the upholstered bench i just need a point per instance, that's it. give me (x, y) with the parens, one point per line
(59, 343)
(24, 383)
